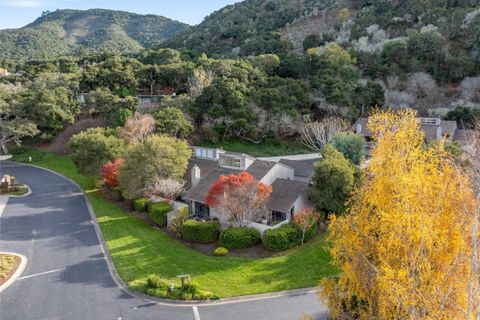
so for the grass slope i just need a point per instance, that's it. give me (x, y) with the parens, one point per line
(263, 149)
(139, 250)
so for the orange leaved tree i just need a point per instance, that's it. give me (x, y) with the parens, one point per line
(240, 197)
(111, 171)
(404, 248)
(306, 219)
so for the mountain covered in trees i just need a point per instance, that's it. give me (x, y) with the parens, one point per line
(73, 32)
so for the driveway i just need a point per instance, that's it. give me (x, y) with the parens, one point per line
(67, 276)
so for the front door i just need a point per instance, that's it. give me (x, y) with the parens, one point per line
(202, 211)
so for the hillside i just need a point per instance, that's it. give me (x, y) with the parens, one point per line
(252, 25)
(66, 32)
(423, 53)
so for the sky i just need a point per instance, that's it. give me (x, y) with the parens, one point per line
(17, 13)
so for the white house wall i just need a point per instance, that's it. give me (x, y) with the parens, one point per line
(301, 203)
(278, 171)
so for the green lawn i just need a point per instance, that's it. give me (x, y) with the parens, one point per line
(263, 149)
(138, 250)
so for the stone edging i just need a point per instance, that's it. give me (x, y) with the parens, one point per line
(123, 286)
(21, 267)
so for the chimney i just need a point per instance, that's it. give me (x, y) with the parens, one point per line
(359, 128)
(195, 175)
(439, 132)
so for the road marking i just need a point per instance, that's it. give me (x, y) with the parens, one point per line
(40, 274)
(195, 313)
(3, 203)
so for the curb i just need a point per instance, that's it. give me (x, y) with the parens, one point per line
(17, 273)
(29, 192)
(166, 302)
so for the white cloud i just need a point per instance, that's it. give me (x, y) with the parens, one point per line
(25, 3)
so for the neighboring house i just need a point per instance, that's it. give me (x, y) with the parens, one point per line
(434, 128)
(288, 178)
(4, 72)
(149, 102)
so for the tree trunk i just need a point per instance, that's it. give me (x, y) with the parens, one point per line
(4, 148)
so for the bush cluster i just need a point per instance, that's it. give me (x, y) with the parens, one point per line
(283, 238)
(200, 231)
(239, 238)
(221, 251)
(141, 204)
(157, 287)
(158, 212)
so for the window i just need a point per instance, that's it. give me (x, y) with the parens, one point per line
(230, 162)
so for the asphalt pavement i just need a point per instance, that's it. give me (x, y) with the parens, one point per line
(67, 275)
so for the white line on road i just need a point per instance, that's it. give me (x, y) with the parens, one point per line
(40, 274)
(3, 203)
(195, 312)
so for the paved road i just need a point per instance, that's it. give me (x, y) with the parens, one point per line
(67, 275)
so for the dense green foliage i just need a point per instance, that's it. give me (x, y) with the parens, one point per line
(239, 238)
(283, 238)
(141, 204)
(66, 32)
(352, 146)
(332, 182)
(172, 121)
(200, 231)
(158, 212)
(160, 157)
(93, 148)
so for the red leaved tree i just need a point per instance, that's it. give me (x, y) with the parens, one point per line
(240, 197)
(305, 219)
(111, 171)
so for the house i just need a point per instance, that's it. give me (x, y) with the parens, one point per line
(4, 72)
(289, 180)
(434, 128)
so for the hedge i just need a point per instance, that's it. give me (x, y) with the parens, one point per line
(239, 238)
(141, 204)
(283, 238)
(158, 212)
(200, 231)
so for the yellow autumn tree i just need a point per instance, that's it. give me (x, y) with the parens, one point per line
(404, 248)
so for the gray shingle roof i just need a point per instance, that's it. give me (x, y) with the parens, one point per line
(285, 193)
(303, 168)
(200, 191)
(205, 166)
(259, 168)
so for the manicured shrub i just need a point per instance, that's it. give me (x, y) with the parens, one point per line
(283, 238)
(239, 238)
(141, 204)
(158, 212)
(221, 251)
(200, 231)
